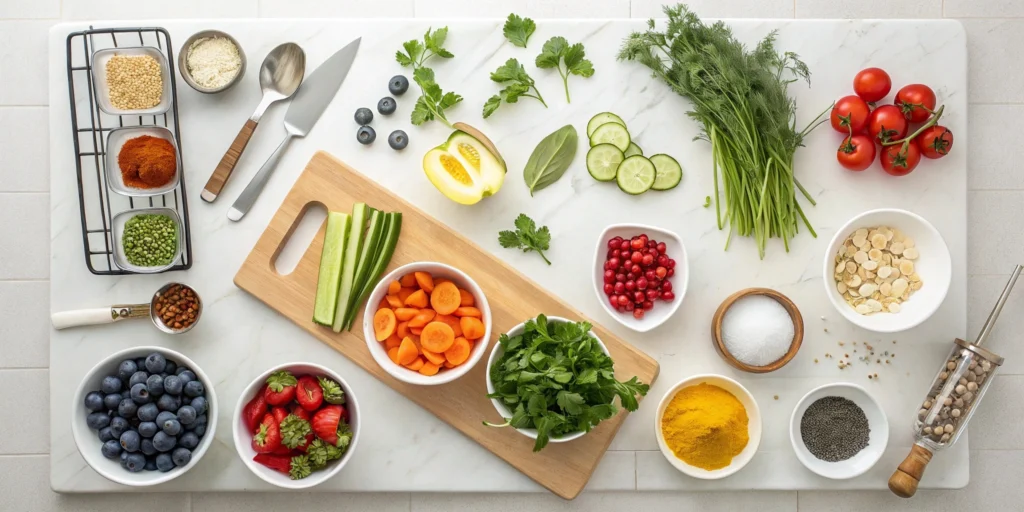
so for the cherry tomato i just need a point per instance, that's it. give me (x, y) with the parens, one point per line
(916, 101)
(872, 84)
(850, 112)
(935, 142)
(886, 123)
(856, 153)
(898, 161)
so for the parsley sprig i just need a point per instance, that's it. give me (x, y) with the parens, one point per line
(417, 53)
(433, 101)
(518, 84)
(518, 30)
(568, 60)
(526, 237)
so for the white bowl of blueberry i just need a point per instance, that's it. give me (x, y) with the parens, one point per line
(144, 416)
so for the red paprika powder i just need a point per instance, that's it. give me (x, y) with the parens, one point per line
(147, 162)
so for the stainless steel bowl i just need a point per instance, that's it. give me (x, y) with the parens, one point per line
(183, 56)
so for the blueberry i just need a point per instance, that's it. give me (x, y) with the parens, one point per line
(200, 404)
(155, 363)
(194, 389)
(386, 105)
(173, 384)
(130, 441)
(164, 462)
(181, 456)
(164, 442)
(140, 394)
(127, 408)
(135, 462)
(147, 429)
(140, 362)
(150, 465)
(138, 377)
(126, 369)
(94, 401)
(118, 426)
(170, 367)
(164, 417)
(146, 446)
(365, 135)
(171, 427)
(168, 403)
(110, 384)
(97, 420)
(186, 376)
(180, 369)
(111, 401)
(187, 415)
(189, 440)
(155, 384)
(398, 140)
(124, 456)
(106, 435)
(199, 430)
(363, 116)
(111, 449)
(148, 412)
(398, 85)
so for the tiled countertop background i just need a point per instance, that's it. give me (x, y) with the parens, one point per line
(995, 31)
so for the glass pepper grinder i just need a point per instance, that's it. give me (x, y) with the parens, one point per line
(959, 385)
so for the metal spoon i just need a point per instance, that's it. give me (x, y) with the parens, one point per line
(116, 313)
(280, 76)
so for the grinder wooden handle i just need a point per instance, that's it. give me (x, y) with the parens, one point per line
(903, 482)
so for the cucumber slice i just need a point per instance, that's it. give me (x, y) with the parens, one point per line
(329, 280)
(602, 118)
(635, 175)
(633, 149)
(374, 229)
(386, 249)
(603, 160)
(353, 247)
(669, 172)
(611, 133)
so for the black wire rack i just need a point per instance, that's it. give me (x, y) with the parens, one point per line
(90, 128)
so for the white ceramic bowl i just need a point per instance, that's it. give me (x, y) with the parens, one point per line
(88, 441)
(496, 352)
(437, 270)
(243, 437)
(753, 426)
(858, 464)
(662, 310)
(934, 266)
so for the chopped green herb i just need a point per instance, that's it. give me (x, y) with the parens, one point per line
(518, 30)
(526, 237)
(416, 53)
(568, 60)
(517, 84)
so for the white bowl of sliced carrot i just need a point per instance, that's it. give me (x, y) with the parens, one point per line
(427, 323)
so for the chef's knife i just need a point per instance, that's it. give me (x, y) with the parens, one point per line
(314, 95)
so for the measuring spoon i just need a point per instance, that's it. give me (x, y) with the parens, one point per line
(116, 313)
(280, 76)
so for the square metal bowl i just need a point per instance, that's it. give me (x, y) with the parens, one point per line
(102, 89)
(116, 139)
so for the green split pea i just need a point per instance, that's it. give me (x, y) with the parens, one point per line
(150, 240)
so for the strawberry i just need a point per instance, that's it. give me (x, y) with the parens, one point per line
(332, 392)
(300, 412)
(280, 388)
(295, 432)
(268, 437)
(282, 450)
(254, 411)
(308, 393)
(296, 467)
(280, 413)
(328, 424)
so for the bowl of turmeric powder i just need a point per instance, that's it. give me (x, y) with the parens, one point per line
(708, 426)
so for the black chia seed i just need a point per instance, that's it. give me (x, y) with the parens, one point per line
(834, 429)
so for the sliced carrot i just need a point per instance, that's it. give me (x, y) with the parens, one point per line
(393, 287)
(448, 365)
(405, 314)
(437, 337)
(472, 328)
(404, 293)
(416, 341)
(393, 301)
(402, 330)
(383, 304)
(416, 330)
(423, 318)
(417, 299)
(441, 280)
(445, 299)
(466, 298)
(458, 353)
(408, 281)
(393, 341)
(468, 311)
(393, 354)
(416, 364)
(429, 369)
(425, 281)
(384, 323)
(452, 322)
(407, 352)
(434, 357)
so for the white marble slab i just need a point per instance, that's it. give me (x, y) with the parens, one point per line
(239, 337)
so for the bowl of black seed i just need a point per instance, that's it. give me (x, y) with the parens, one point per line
(839, 431)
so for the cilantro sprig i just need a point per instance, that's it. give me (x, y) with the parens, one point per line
(518, 84)
(568, 60)
(555, 378)
(526, 237)
(433, 101)
(417, 53)
(518, 30)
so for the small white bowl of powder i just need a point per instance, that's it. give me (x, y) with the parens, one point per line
(757, 330)
(211, 61)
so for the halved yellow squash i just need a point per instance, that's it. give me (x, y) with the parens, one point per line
(464, 169)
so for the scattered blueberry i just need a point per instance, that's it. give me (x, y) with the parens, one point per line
(363, 116)
(155, 384)
(140, 394)
(200, 404)
(111, 449)
(365, 135)
(168, 402)
(130, 441)
(150, 465)
(118, 426)
(170, 367)
(181, 456)
(146, 446)
(111, 401)
(94, 401)
(148, 412)
(398, 140)
(194, 389)
(173, 385)
(138, 377)
(189, 440)
(155, 363)
(110, 384)
(106, 435)
(127, 408)
(386, 105)
(171, 427)
(186, 376)
(147, 429)
(187, 414)
(126, 369)
(97, 420)
(135, 462)
(164, 462)
(398, 85)
(164, 442)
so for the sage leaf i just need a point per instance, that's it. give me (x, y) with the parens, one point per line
(551, 158)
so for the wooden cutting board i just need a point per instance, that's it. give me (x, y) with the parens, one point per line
(563, 468)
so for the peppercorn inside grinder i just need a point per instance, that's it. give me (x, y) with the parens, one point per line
(954, 395)
(116, 313)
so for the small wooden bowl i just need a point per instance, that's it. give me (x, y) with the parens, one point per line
(794, 314)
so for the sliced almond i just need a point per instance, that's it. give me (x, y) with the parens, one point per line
(896, 248)
(885, 288)
(911, 253)
(908, 242)
(841, 286)
(870, 265)
(906, 267)
(874, 305)
(884, 272)
(867, 289)
(863, 309)
(878, 241)
(851, 267)
(860, 257)
(894, 307)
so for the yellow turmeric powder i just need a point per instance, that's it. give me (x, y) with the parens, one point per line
(705, 426)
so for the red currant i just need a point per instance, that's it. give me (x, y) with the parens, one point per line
(635, 269)
(671, 272)
(620, 278)
(630, 306)
(647, 260)
(650, 275)
(661, 272)
(614, 243)
(642, 283)
(667, 296)
(638, 314)
(623, 300)
(671, 263)
(637, 244)
(630, 285)
(608, 289)
(666, 286)
(624, 245)
(662, 261)
(609, 276)
(653, 294)
(619, 288)
(661, 247)
(615, 262)
(636, 257)
(638, 296)
(648, 304)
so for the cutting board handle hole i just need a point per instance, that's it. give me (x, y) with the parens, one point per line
(300, 236)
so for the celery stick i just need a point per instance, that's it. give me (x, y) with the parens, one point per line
(329, 280)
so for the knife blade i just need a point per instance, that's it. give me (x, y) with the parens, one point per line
(312, 99)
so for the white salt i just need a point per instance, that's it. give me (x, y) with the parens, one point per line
(757, 330)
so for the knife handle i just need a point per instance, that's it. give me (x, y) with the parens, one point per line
(227, 162)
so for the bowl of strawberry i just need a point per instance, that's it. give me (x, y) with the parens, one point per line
(640, 274)
(296, 425)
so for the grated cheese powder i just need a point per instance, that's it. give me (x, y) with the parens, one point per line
(213, 62)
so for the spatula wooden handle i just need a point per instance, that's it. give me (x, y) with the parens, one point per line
(227, 162)
(903, 482)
